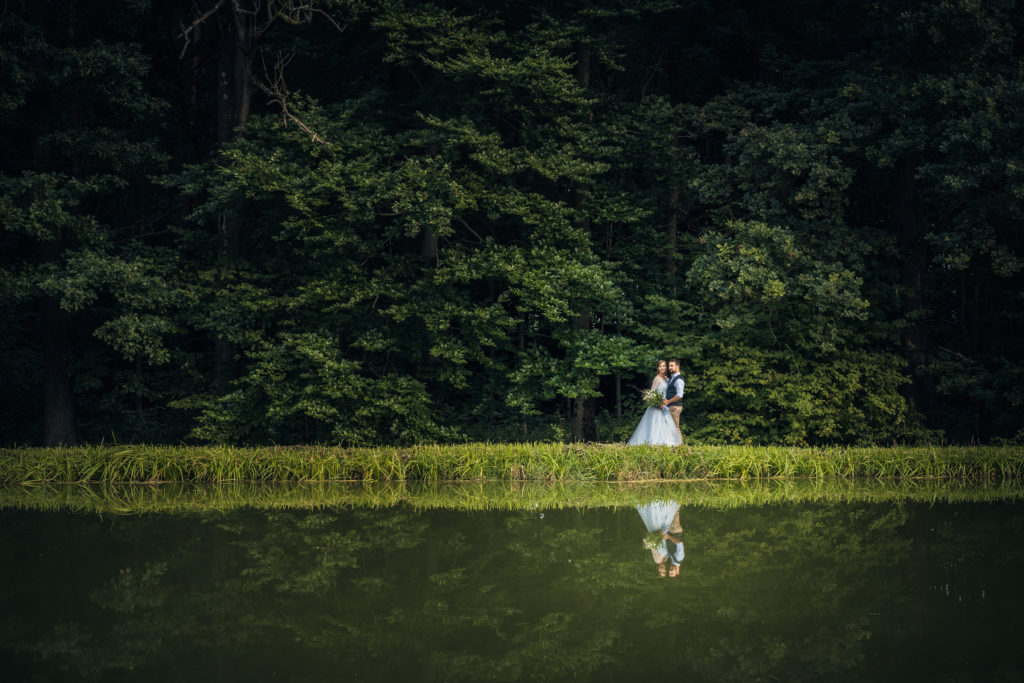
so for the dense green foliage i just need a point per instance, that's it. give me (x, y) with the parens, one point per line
(388, 221)
(499, 462)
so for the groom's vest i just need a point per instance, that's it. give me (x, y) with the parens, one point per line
(670, 390)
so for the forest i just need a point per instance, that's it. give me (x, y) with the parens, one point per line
(362, 222)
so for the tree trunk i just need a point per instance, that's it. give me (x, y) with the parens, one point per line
(672, 228)
(584, 427)
(428, 248)
(618, 397)
(139, 414)
(586, 417)
(234, 96)
(58, 400)
(913, 267)
(583, 64)
(584, 423)
(59, 427)
(234, 77)
(577, 419)
(193, 125)
(671, 232)
(524, 323)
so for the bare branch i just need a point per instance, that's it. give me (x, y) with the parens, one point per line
(291, 11)
(187, 32)
(957, 354)
(299, 12)
(341, 29)
(251, 12)
(294, 12)
(461, 220)
(271, 20)
(277, 90)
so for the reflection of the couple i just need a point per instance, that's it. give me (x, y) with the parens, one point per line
(662, 521)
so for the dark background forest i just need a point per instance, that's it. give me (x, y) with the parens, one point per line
(391, 221)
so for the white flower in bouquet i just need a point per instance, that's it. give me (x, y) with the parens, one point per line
(652, 399)
(652, 540)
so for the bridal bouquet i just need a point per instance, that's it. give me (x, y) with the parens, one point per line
(652, 539)
(652, 399)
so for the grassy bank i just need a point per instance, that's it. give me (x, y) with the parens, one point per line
(179, 498)
(501, 462)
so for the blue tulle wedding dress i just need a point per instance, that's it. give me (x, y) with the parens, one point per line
(656, 426)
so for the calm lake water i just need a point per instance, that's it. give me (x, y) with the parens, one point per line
(788, 592)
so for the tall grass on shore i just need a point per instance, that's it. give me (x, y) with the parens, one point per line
(182, 498)
(502, 462)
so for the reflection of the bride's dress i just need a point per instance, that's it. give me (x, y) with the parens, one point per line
(662, 521)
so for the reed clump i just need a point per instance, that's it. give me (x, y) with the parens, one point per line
(499, 462)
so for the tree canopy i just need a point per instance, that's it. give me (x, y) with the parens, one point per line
(366, 221)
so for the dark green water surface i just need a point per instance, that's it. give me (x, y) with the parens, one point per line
(799, 591)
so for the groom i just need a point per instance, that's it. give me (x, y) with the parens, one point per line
(674, 393)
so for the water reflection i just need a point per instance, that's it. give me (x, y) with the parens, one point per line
(661, 518)
(790, 592)
(515, 495)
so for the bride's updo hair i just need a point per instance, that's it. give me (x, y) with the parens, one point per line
(657, 366)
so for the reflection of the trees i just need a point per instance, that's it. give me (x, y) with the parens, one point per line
(794, 592)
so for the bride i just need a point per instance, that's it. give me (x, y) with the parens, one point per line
(656, 426)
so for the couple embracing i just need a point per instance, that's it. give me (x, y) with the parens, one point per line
(660, 425)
